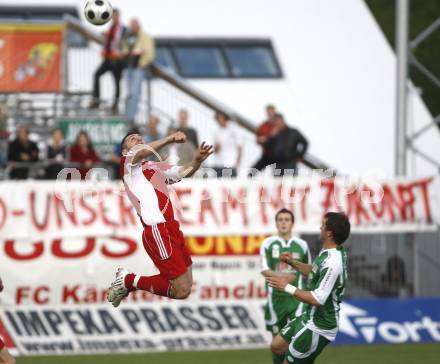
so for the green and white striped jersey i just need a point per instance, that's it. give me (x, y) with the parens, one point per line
(281, 304)
(326, 283)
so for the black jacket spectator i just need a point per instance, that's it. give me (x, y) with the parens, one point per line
(284, 147)
(56, 154)
(21, 150)
(289, 146)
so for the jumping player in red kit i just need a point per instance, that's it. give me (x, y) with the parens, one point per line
(5, 357)
(146, 186)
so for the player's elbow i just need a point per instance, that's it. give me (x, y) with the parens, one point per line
(315, 300)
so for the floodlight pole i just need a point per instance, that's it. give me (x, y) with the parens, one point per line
(402, 50)
(402, 17)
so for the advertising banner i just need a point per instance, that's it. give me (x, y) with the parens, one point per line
(30, 57)
(389, 321)
(184, 325)
(40, 210)
(170, 325)
(105, 134)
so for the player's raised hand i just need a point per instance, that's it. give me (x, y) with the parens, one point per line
(178, 137)
(204, 151)
(279, 282)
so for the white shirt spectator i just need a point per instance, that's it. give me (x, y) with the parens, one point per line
(228, 140)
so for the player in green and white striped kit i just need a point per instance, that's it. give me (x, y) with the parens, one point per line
(304, 338)
(281, 307)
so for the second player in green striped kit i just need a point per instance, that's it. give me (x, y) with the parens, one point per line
(281, 307)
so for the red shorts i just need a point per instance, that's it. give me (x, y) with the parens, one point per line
(2, 344)
(166, 246)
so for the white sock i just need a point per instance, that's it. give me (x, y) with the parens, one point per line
(135, 281)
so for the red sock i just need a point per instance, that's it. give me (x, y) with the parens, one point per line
(157, 285)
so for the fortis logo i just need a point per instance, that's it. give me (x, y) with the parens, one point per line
(357, 323)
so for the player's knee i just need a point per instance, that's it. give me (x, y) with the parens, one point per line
(278, 347)
(10, 361)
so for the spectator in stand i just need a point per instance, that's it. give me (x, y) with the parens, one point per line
(138, 49)
(264, 132)
(21, 150)
(265, 129)
(112, 61)
(181, 153)
(3, 135)
(227, 147)
(191, 134)
(290, 146)
(284, 146)
(82, 152)
(152, 132)
(56, 154)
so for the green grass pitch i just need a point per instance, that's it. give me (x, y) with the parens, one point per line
(373, 354)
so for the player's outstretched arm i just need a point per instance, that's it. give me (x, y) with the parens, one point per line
(143, 151)
(283, 284)
(303, 268)
(204, 151)
(270, 273)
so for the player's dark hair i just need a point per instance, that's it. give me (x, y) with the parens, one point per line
(339, 225)
(130, 132)
(285, 211)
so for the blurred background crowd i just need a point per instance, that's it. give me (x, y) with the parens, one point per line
(127, 53)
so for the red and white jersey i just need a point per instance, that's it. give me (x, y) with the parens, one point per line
(146, 186)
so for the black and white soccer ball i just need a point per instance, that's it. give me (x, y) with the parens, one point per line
(98, 12)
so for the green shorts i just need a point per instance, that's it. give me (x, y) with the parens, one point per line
(304, 344)
(278, 311)
(276, 328)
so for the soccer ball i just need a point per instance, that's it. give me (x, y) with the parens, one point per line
(98, 12)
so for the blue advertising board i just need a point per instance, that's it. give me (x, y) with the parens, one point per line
(393, 321)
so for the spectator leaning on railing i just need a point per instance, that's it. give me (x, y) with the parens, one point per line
(284, 146)
(138, 50)
(265, 129)
(184, 152)
(227, 147)
(21, 150)
(152, 133)
(112, 61)
(290, 146)
(191, 133)
(82, 152)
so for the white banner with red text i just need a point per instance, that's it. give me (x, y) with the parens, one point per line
(35, 210)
